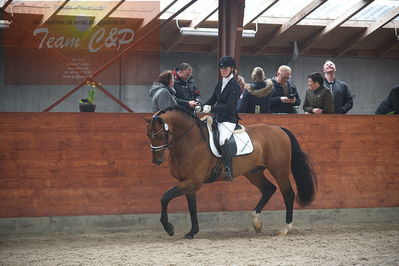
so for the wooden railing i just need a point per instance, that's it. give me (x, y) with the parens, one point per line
(55, 164)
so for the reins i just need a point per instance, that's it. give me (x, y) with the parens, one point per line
(182, 135)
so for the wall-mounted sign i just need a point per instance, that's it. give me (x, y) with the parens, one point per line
(108, 38)
(64, 48)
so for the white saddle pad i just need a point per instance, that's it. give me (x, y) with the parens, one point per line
(241, 137)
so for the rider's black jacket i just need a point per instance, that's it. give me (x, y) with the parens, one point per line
(224, 105)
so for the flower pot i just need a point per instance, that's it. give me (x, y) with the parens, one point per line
(85, 107)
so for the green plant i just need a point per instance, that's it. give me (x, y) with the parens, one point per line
(91, 97)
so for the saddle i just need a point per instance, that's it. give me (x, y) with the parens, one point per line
(239, 142)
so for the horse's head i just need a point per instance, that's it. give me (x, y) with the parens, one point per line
(169, 127)
(158, 133)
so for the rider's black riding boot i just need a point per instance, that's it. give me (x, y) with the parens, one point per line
(227, 161)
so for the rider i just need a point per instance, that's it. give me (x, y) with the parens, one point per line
(222, 105)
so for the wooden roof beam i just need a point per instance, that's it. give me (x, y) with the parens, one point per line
(335, 24)
(6, 4)
(367, 32)
(386, 47)
(52, 12)
(205, 14)
(264, 6)
(293, 21)
(106, 12)
(149, 22)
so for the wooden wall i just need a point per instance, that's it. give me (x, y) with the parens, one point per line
(55, 164)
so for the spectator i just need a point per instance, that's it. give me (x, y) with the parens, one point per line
(257, 95)
(187, 93)
(390, 105)
(343, 100)
(284, 95)
(318, 99)
(241, 82)
(162, 92)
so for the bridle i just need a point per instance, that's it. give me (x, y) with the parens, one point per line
(164, 128)
(165, 137)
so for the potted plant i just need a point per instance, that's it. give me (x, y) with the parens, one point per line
(87, 104)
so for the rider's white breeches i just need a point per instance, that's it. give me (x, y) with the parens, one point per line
(225, 131)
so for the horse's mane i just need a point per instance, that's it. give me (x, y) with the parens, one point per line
(179, 109)
(187, 113)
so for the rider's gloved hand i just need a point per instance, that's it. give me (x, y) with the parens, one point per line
(197, 109)
(206, 109)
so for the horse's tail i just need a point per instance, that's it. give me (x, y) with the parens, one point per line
(302, 170)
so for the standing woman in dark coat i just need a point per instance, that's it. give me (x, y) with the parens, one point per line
(223, 106)
(256, 97)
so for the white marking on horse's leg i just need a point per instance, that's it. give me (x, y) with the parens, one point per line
(285, 230)
(256, 221)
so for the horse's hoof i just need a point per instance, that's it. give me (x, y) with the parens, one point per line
(256, 222)
(281, 234)
(285, 230)
(258, 230)
(187, 236)
(169, 229)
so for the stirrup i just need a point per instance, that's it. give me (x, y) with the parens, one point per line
(228, 175)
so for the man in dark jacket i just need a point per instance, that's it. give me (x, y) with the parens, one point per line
(187, 94)
(390, 105)
(285, 95)
(343, 100)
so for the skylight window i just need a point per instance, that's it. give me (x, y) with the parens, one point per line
(331, 10)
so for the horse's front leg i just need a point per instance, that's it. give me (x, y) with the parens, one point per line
(168, 196)
(192, 206)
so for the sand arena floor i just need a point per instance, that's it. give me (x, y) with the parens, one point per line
(335, 244)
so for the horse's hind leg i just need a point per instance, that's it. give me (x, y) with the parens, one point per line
(267, 188)
(284, 184)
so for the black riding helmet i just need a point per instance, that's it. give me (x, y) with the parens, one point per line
(227, 61)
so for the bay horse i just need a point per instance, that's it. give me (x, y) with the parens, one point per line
(191, 162)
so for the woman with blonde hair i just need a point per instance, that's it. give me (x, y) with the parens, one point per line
(256, 97)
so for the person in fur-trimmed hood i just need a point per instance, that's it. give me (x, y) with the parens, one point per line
(256, 97)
